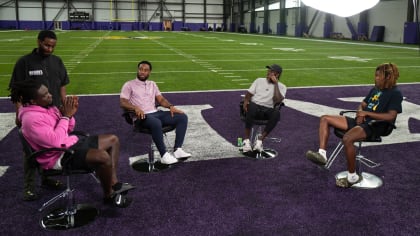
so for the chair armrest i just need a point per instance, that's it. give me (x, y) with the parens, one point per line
(241, 110)
(279, 105)
(347, 111)
(46, 150)
(80, 133)
(129, 116)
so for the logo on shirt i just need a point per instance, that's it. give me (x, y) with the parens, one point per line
(374, 101)
(35, 72)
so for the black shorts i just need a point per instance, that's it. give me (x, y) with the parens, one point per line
(78, 159)
(369, 130)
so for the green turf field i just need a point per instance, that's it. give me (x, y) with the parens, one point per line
(100, 62)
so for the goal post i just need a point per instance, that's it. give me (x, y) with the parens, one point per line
(127, 8)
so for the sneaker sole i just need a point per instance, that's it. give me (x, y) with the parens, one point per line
(314, 160)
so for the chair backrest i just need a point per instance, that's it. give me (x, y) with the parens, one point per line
(27, 149)
(384, 127)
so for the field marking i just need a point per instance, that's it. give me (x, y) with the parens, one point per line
(203, 63)
(223, 72)
(324, 41)
(350, 58)
(289, 49)
(229, 60)
(200, 148)
(75, 61)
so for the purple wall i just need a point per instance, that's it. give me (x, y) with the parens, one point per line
(411, 32)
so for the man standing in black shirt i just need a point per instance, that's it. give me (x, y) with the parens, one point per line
(41, 65)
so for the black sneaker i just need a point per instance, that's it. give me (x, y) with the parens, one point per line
(316, 158)
(121, 188)
(30, 195)
(52, 184)
(118, 200)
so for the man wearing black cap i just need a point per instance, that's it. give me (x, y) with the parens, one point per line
(261, 101)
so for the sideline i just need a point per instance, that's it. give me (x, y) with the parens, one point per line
(326, 41)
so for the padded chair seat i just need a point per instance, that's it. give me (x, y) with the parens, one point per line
(165, 129)
(129, 117)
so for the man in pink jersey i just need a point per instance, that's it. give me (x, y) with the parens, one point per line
(141, 95)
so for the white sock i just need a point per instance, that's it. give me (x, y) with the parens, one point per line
(323, 153)
(352, 177)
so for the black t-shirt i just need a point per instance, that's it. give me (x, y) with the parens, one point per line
(384, 100)
(50, 70)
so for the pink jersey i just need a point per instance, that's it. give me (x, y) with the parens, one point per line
(141, 93)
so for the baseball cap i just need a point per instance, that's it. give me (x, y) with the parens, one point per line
(275, 68)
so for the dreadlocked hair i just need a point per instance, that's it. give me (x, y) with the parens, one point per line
(390, 72)
(25, 90)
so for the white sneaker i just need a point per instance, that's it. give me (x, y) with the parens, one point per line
(168, 159)
(258, 146)
(246, 146)
(179, 153)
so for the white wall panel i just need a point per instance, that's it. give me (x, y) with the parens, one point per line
(216, 9)
(392, 15)
(194, 9)
(7, 13)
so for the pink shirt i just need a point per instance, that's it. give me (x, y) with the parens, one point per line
(141, 93)
(44, 128)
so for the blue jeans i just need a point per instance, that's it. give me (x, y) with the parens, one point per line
(155, 121)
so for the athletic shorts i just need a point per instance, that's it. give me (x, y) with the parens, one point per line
(78, 159)
(369, 130)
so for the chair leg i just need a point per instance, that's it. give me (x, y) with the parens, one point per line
(151, 158)
(69, 217)
(150, 164)
(267, 153)
(369, 181)
(65, 193)
(334, 155)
